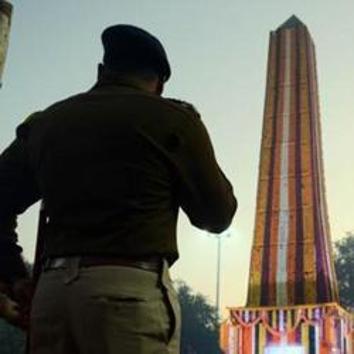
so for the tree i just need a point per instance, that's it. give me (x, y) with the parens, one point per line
(200, 323)
(344, 264)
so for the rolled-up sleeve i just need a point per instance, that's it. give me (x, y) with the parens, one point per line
(206, 195)
(18, 191)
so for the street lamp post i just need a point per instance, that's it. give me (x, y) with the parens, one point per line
(5, 23)
(218, 261)
(218, 270)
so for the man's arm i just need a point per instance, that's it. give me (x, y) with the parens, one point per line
(205, 193)
(18, 190)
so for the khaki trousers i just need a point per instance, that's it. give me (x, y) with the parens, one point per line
(105, 310)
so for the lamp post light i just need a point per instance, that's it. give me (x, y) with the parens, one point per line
(219, 237)
(5, 23)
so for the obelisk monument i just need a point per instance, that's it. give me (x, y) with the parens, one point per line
(292, 304)
(292, 259)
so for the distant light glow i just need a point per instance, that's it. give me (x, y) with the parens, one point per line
(284, 349)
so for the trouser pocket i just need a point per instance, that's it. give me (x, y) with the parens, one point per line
(173, 309)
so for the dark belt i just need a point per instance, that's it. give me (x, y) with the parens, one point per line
(151, 264)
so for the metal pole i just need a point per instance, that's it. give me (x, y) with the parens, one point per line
(5, 24)
(218, 275)
(218, 270)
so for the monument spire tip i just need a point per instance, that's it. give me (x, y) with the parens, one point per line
(291, 22)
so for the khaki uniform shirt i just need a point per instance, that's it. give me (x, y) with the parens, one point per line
(113, 165)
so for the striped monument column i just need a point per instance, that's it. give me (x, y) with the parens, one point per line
(5, 22)
(291, 261)
(292, 302)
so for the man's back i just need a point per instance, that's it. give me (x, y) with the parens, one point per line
(115, 185)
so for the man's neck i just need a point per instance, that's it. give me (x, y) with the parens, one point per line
(121, 80)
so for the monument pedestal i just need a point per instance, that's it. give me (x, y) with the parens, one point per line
(309, 329)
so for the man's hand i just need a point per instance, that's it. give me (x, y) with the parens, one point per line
(9, 310)
(17, 310)
(22, 291)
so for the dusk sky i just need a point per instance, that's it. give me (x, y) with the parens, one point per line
(218, 54)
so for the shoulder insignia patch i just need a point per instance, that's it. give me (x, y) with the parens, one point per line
(185, 105)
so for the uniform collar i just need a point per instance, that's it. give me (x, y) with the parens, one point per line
(119, 82)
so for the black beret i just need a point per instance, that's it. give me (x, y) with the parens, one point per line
(128, 47)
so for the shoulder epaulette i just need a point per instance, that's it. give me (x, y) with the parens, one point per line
(185, 105)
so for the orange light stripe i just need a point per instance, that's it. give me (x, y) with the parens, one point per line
(273, 240)
(307, 192)
(263, 180)
(291, 265)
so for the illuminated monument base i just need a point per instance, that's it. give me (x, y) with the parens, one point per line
(313, 329)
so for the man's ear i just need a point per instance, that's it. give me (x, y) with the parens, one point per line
(100, 69)
(159, 87)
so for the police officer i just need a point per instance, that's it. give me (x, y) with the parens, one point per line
(113, 166)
